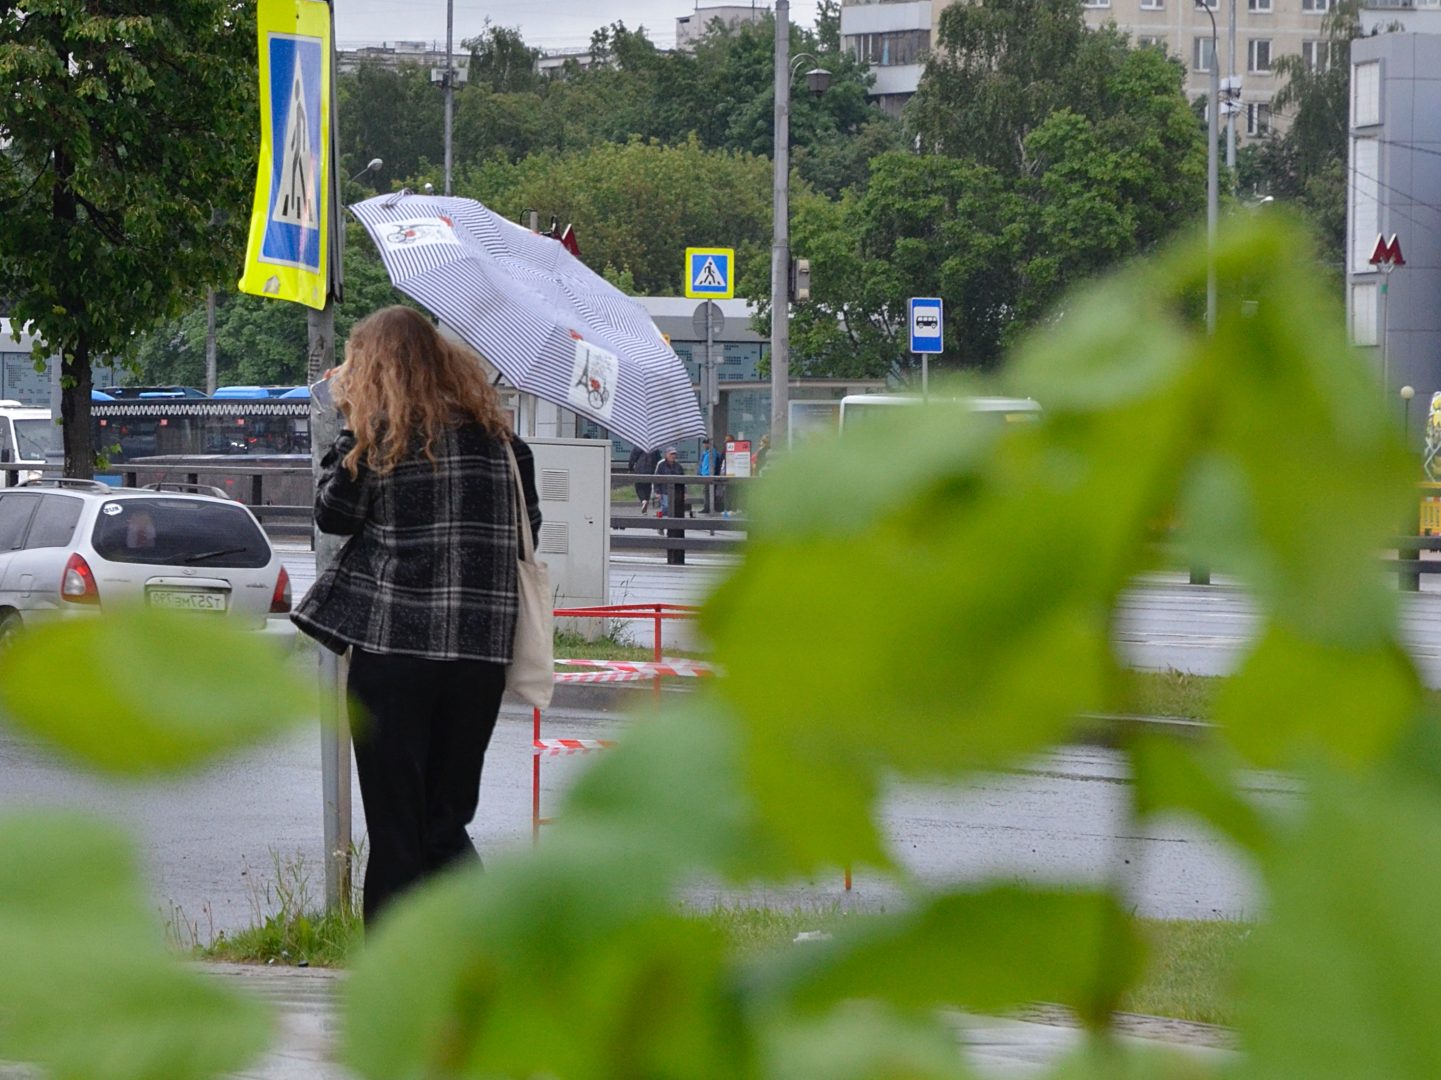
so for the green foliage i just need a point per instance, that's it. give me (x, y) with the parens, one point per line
(129, 155)
(1027, 192)
(154, 667)
(88, 990)
(637, 206)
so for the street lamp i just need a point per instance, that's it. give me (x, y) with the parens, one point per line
(374, 164)
(1407, 393)
(817, 79)
(1212, 182)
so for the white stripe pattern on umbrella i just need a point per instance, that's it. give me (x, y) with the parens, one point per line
(549, 323)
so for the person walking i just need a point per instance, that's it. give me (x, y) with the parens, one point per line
(709, 465)
(672, 500)
(423, 481)
(643, 461)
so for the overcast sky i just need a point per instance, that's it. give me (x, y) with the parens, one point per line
(548, 24)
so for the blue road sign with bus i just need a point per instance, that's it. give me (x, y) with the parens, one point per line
(926, 324)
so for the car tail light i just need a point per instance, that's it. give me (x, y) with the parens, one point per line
(77, 584)
(280, 599)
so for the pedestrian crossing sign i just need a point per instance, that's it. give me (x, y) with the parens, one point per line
(710, 273)
(289, 225)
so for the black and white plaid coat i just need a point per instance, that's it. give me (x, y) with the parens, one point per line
(430, 568)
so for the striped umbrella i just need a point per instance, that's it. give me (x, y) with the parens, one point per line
(552, 326)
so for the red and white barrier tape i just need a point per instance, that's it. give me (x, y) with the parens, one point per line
(600, 676)
(689, 669)
(566, 747)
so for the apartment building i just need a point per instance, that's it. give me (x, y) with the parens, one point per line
(1247, 38)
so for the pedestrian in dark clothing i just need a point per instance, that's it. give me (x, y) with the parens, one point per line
(643, 461)
(672, 500)
(424, 591)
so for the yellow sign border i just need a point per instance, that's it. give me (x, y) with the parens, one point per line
(306, 19)
(730, 289)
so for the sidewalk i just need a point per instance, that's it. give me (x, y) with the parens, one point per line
(1000, 1048)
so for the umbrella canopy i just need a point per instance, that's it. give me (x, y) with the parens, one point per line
(551, 325)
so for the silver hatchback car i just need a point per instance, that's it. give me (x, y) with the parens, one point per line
(74, 547)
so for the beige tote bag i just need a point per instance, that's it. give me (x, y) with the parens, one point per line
(531, 674)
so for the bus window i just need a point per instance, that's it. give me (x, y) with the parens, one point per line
(858, 409)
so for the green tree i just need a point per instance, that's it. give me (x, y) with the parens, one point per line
(1305, 161)
(260, 341)
(394, 114)
(637, 206)
(1000, 235)
(128, 155)
(501, 61)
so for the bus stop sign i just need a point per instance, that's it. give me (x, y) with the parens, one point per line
(926, 322)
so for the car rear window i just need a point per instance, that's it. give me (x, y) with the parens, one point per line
(179, 532)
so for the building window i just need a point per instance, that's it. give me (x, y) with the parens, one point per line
(892, 49)
(1149, 41)
(1152, 5)
(1366, 93)
(1365, 202)
(1203, 54)
(1315, 55)
(1363, 314)
(1258, 55)
(1095, 3)
(1258, 118)
(1315, 7)
(1262, 6)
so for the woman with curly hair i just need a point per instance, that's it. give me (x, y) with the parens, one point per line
(424, 482)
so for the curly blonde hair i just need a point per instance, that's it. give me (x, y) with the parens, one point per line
(402, 380)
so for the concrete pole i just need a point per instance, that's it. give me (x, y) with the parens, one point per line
(449, 85)
(780, 232)
(1212, 184)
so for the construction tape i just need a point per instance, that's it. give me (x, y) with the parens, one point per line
(566, 747)
(687, 669)
(600, 676)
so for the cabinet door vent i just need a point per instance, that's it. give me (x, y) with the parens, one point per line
(554, 538)
(555, 485)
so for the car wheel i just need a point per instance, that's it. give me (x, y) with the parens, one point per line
(10, 627)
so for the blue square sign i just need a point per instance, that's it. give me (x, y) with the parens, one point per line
(926, 322)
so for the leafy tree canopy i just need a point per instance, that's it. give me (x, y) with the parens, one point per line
(128, 156)
(999, 234)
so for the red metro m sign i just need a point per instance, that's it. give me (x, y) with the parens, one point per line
(1386, 255)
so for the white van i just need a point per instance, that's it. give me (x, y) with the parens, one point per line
(857, 408)
(28, 436)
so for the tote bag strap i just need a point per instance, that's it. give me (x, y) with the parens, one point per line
(522, 516)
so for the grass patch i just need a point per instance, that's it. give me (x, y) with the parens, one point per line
(1170, 693)
(1191, 971)
(1190, 974)
(572, 646)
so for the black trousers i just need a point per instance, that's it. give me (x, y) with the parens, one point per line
(421, 728)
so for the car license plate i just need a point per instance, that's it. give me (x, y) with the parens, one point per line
(185, 600)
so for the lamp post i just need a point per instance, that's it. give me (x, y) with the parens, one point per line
(1407, 393)
(1212, 181)
(818, 79)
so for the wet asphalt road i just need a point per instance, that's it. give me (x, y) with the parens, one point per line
(208, 842)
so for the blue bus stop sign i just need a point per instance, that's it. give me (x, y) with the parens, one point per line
(926, 323)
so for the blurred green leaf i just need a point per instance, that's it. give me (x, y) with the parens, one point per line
(675, 789)
(1295, 696)
(989, 950)
(1169, 774)
(89, 991)
(566, 963)
(1346, 975)
(137, 691)
(862, 1041)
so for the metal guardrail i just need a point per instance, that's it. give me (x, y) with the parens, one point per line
(630, 531)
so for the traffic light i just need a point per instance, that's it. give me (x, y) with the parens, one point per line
(800, 280)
